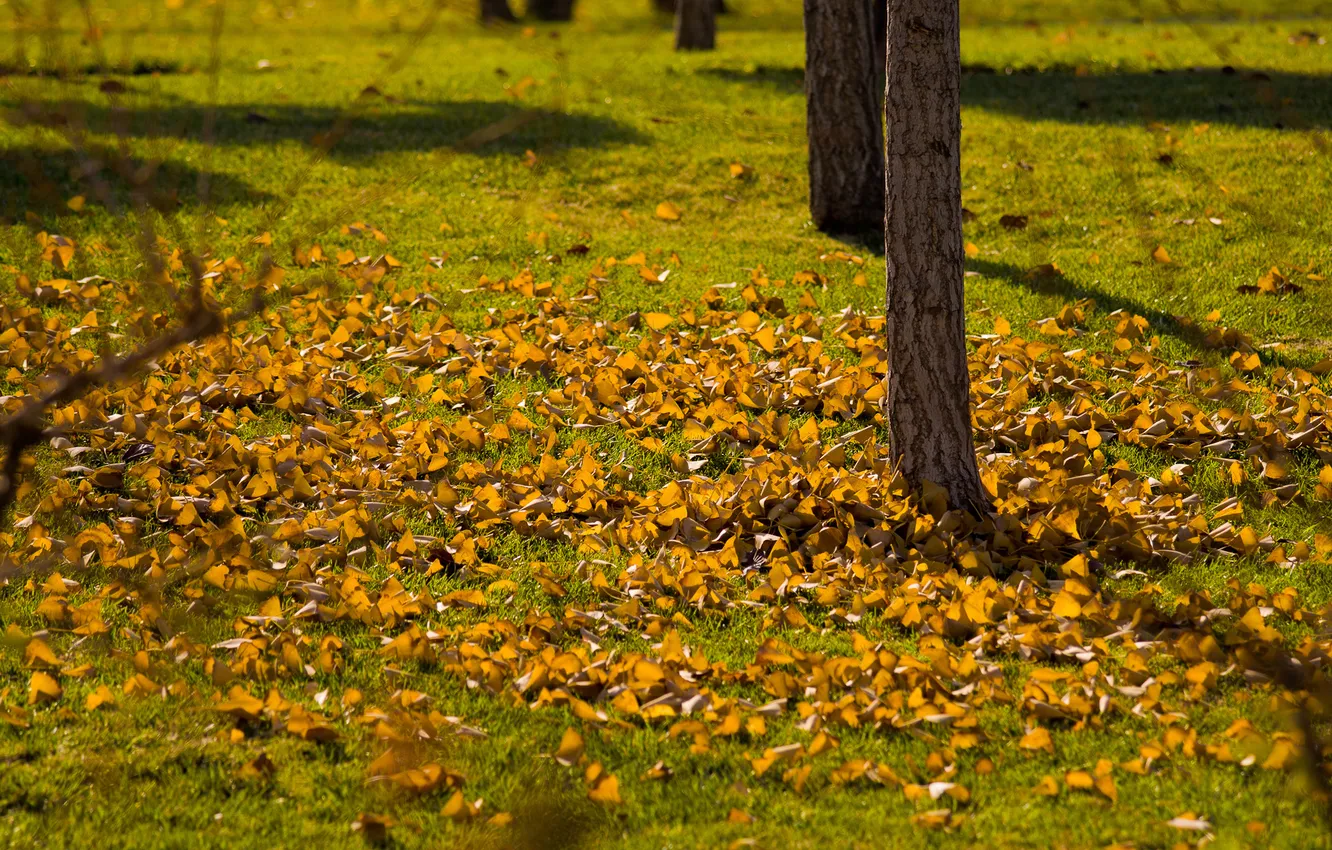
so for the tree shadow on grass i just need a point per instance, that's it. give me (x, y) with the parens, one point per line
(1071, 290)
(781, 80)
(1242, 98)
(43, 180)
(480, 127)
(1239, 98)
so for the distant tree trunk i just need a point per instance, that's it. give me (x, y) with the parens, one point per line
(497, 10)
(695, 25)
(551, 10)
(929, 418)
(844, 103)
(668, 6)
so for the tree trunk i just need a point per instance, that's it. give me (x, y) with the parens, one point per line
(695, 25)
(929, 418)
(668, 6)
(551, 10)
(844, 102)
(497, 10)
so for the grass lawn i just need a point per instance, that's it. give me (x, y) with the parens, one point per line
(565, 566)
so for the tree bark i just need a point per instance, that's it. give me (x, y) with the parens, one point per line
(929, 418)
(497, 10)
(695, 25)
(844, 102)
(551, 10)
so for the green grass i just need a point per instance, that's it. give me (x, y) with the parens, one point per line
(622, 124)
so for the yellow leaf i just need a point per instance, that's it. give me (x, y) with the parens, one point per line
(1161, 255)
(1079, 780)
(457, 809)
(98, 698)
(43, 688)
(667, 211)
(606, 791)
(571, 748)
(216, 576)
(1037, 739)
(1282, 756)
(1066, 605)
(971, 249)
(657, 321)
(1203, 673)
(38, 654)
(241, 704)
(1106, 785)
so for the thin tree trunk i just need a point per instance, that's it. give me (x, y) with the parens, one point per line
(552, 10)
(695, 25)
(497, 10)
(844, 102)
(929, 418)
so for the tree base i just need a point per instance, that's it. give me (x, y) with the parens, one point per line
(695, 25)
(497, 10)
(551, 10)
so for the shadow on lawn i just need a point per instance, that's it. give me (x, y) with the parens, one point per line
(1272, 99)
(1106, 302)
(42, 181)
(479, 127)
(1240, 98)
(782, 80)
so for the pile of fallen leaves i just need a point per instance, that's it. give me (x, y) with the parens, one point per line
(296, 476)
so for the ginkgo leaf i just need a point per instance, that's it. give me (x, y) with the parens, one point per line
(100, 697)
(605, 790)
(42, 687)
(1079, 780)
(667, 211)
(570, 751)
(37, 654)
(1037, 739)
(657, 321)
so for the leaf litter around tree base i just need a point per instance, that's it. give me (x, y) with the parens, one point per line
(345, 468)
